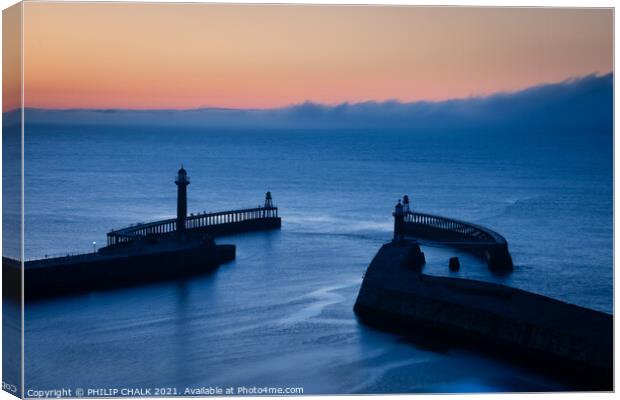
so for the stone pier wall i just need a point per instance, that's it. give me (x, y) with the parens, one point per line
(496, 318)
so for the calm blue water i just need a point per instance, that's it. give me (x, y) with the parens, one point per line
(281, 314)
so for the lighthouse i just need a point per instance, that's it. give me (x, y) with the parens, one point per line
(182, 180)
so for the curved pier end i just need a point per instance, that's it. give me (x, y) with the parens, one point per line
(499, 258)
(476, 239)
(572, 342)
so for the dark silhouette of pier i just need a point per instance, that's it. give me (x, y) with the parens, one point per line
(197, 225)
(571, 342)
(213, 224)
(159, 250)
(476, 239)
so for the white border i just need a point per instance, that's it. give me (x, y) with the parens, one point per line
(488, 3)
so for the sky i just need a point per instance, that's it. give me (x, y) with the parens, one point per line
(184, 56)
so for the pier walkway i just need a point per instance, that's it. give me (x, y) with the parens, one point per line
(160, 250)
(476, 239)
(214, 224)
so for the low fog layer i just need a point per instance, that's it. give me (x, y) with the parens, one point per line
(582, 104)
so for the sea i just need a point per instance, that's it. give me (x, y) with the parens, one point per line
(280, 317)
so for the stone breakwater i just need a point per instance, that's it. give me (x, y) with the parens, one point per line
(102, 270)
(565, 339)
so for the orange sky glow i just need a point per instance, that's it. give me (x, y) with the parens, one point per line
(139, 55)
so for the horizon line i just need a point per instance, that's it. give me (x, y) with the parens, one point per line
(571, 79)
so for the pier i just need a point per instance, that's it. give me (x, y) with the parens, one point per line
(214, 224)
(476, 239)
(570, 342)
(167, 249)
(197, 225)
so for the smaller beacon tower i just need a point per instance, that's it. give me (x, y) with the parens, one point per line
(268, 205)
(406, 208)
(399, 222)
(268, 200)
(182, 180)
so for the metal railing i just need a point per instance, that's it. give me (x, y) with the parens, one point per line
(472, 232)
(193, 221)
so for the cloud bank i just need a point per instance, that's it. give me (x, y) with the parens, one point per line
(581, 104)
